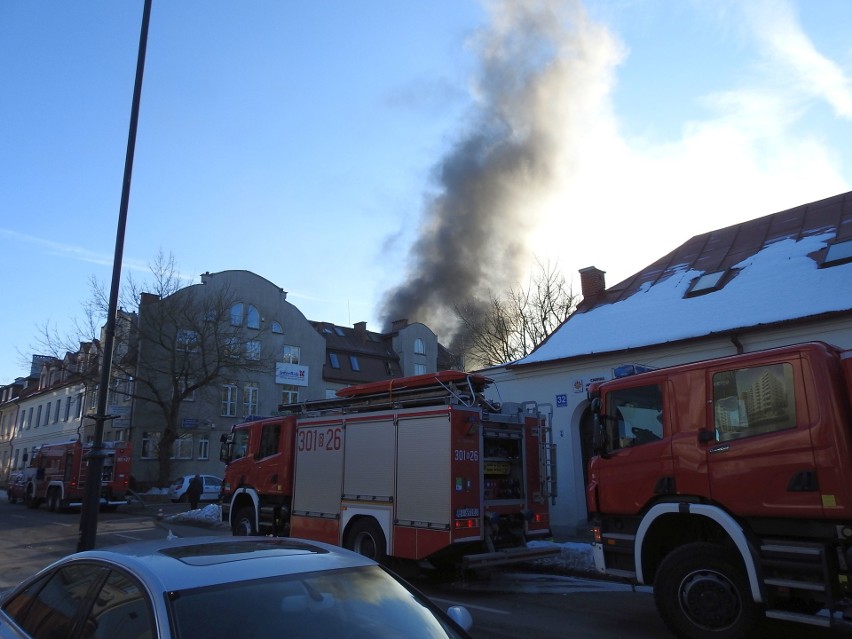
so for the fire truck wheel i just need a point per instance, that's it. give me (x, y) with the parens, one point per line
(366, 538)
(244, 523)
(702, 592)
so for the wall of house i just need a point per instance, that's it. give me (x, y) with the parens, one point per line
(404, 346)
(563, 386)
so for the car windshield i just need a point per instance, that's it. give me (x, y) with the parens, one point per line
(352, 603)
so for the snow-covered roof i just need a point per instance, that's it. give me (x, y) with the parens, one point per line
(779, 280)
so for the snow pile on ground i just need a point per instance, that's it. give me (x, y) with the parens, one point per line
(210, 515)
(573, 556)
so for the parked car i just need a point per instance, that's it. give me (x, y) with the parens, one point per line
(16, 487)
(222, 587)
(212, 484)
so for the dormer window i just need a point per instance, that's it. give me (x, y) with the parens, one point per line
(708, 283)
(839, 253)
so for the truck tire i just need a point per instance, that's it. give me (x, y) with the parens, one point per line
(366, 538)
(244, 523)
(702, 592)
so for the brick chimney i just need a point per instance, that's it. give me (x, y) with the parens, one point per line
(592, 283)
(360, 331)
(399, 324)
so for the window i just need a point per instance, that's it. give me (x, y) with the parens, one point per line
(276, 327)
(150, 444)
(237, 314)
(269, 437)
(182, 448)
(419, 346)
(49, 607)
(187, 341)
(252, 317)
(339, 331)
(332, 359)
(79, 405)
(420, 369)
(204, 447)
(229, 400)
(634, 416)
(93, 398)
(753, 401)
(354, 363)
(291, 354)
(30, 417)
(23, 420)
(67, 409)
(839, 253)
(709, 282)
(182, 385)
(47, 413)
(56, 414)
(232, 347)
(38, 416)
(289, 394)
(127, 615)
(241, 442)
(250, 399)
(253, 350)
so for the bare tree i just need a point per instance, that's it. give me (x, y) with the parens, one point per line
(508, 326)
(179, 342)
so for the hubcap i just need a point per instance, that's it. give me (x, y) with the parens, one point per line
(710, 600)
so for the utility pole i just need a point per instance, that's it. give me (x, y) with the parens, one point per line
(91, 495)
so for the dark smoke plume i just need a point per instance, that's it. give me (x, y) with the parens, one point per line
(533, 55)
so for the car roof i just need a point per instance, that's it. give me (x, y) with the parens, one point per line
(189, 562)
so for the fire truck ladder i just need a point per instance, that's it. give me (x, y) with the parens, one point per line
(446, 387)
(546, 452)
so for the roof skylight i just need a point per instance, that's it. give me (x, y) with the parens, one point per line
(839, 253)
(708, 283)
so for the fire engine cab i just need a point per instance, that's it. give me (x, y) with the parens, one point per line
(420, 468)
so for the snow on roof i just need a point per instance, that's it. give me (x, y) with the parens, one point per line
(781, 282)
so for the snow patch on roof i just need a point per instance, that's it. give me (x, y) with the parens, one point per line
(778, 283)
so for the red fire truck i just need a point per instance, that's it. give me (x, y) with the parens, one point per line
(727, 484)
(420, 468)
(57, 475)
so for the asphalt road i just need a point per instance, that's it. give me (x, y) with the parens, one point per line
(504, 604)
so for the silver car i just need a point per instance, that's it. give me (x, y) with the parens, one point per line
(209, 588)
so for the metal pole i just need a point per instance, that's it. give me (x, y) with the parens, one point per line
(91, 495)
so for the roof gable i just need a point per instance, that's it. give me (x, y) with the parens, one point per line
(774, 275)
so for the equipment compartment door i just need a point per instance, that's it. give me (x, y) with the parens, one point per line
(423, 481)
(319, 469)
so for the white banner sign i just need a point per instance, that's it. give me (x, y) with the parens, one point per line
(294, 374)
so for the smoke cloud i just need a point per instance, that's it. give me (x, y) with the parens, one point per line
(542, 63)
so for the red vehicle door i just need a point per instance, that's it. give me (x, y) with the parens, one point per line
(760, 455)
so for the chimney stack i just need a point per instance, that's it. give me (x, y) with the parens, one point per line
(360, 330)
(399, 324)
(592, 283)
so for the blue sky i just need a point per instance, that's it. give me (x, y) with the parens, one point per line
(309, 142)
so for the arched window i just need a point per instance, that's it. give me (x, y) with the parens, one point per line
(276, 327)
(252, 317)
(419, 346)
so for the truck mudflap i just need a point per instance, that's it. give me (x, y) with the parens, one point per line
(508, 556)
